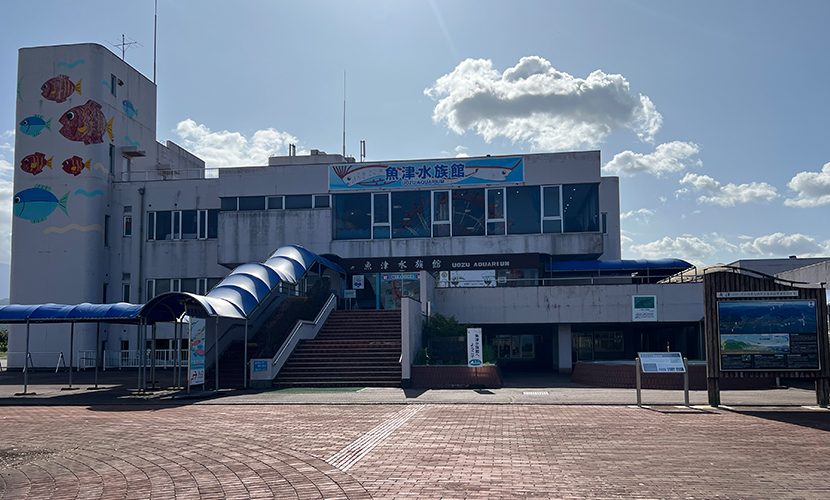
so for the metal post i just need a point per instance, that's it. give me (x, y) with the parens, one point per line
(639, 386)
(189, 338)
(26, 363)
(71, 348)
(138, 340)
(216, 352)
(153, 359)
(686, 380)
(97, 348)
(245, 358)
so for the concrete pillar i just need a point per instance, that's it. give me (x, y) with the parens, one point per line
(565, 364)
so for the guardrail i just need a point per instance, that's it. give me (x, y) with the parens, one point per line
(165, 358)
(169, 174)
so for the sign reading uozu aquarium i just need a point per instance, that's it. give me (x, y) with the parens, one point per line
(426, 173)
(768, 335)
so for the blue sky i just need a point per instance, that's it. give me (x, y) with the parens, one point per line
(714, 114)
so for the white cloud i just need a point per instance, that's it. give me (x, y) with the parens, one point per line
(6, 193)
(642, 215)
(813, 188)
(782, 245)
(461, 152)
(533, 102)
(685, 247)
(730, 194)
(666, 158)
(223, 149)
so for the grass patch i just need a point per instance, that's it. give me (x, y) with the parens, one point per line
(313, 390)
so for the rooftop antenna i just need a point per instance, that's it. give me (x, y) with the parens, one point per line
(155, 30)
(362, 151)
(344, 113)
(124, 45)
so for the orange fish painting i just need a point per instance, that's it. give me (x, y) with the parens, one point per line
(58, 89)
(75, 165)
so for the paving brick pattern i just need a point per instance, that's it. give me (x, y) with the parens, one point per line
(441, 451)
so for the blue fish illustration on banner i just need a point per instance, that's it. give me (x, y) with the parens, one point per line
(129, 109)
(37, 203)
(34, 125)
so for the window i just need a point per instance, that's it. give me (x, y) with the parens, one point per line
(603, 222)
(468, 212)
(275, 203)
(229, 204)
(125, 292)
(151, 290)
(125, 345)
(104, 294)
(608, 341)
(411, 214)
(251, 203)
(112, 158)
(125, 168)
(580, 208)
(106, 230)
(524, 210)
(128, 225)
(182, 224)
(551, 209)
(495, 211)
(321, 201)
(380, 216)
(113, 84)
(352, 218)
(440, 214)
(189, 285)
(297, 201)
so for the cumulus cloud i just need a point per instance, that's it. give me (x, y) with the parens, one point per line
(533, 102)
(642, 215)
(812, 188)
(224, 149)
(667, 158)
(782, 245)
(684, 247)
(6, 193)
(461, 152)
(728, 195)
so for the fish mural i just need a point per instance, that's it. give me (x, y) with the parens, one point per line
(75, 165)
(59, 89)
(19, 82)
(86, 124)
(37, 203)
(491, 173)
(34, 163)
(369, 175)
(34, 125)
(129, 109)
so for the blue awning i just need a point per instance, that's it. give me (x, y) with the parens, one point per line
(631, 265)
(80, 313)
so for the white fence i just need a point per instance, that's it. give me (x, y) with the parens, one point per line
(165, 358)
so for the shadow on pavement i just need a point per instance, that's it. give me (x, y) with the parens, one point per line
(819, 420)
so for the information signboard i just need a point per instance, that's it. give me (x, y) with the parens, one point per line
(357, 282)
(260, 365)
(662, 362)
(474, 347)
(768, 335)
(643, 308)
(198, 327)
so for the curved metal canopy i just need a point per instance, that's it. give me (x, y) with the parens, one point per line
(80, 313)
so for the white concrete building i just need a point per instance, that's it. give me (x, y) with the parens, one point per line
(117, 216)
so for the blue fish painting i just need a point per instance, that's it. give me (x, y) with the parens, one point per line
(34, 125)
(37, 203)
(129, 109)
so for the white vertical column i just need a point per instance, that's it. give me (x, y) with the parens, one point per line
(565, 364)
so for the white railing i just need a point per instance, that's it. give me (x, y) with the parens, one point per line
(170, 174)
(165, 358)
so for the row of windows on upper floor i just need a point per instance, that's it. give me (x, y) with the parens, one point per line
(412, 214)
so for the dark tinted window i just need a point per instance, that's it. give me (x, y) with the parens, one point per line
(213, 223)
(411, 214)
(252, 203)
(580, 207)
(524, 210)
(352, 216)
(190, 224)
(228, 204)
(274, 202)
(321, 201)
(164, 227)
(296, 201)
(468, 212)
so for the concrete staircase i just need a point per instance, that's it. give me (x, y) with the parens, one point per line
(353, 349)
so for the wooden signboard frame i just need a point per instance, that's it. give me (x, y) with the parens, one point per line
(735, 284)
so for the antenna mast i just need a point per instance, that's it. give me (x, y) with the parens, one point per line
(124, 45)
(155, 30)
(344, 114)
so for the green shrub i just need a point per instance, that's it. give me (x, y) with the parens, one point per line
(421, 357)
(439, 325)
(488, 354)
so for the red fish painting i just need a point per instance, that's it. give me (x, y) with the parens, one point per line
(75, 165)
(34, 163)
(58, 89)
(86, 124)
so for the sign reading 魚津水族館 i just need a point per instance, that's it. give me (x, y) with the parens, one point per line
(474, 347)
(460, 171)
(198, 327)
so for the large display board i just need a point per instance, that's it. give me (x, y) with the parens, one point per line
(768, 335)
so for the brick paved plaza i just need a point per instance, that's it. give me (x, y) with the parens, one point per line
(219, 450)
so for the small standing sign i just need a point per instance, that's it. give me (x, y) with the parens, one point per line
(474, 348)
(661, 362)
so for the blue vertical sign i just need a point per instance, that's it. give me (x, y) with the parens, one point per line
(198, 327)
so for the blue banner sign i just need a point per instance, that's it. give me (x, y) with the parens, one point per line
(459, 171)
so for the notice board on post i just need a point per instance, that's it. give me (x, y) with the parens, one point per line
(761, 326)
